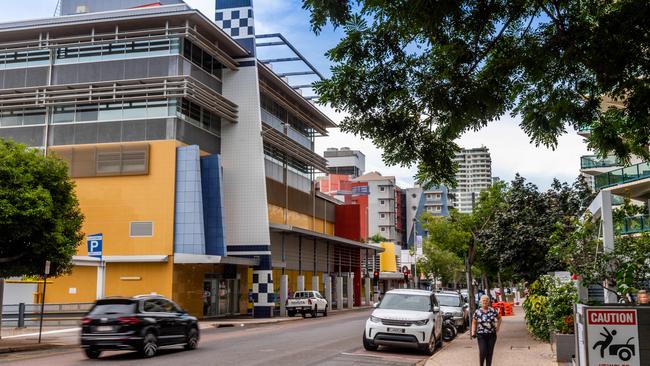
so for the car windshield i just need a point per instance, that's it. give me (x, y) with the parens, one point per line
(448, 300)
(108, 308)
(302, 295)
(405, 302)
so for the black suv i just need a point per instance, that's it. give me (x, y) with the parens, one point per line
(141, 323)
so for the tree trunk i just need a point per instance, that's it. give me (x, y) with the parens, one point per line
(470, 287)
(503, 293)
(486, 285)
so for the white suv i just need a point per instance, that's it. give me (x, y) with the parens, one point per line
(405, 318)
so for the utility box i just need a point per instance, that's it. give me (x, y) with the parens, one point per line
(612, 335)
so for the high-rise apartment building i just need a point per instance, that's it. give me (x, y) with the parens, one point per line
(418, 201)
(474, 176)
(345, 161)
(384, 207)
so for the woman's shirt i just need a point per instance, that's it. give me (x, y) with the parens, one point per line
(486, 320)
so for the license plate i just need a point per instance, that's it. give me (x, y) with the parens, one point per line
(104, 328)
(395, 330)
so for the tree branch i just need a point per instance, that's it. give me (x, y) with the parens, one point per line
(490, 46)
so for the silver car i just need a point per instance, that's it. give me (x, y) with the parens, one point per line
(453, 303)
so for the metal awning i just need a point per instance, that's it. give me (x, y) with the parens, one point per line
(285, 144)
(183, 258)
(330, 238)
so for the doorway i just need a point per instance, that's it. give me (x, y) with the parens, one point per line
(220, 296)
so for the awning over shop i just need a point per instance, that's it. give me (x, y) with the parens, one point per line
(182, 258)
(330, 238)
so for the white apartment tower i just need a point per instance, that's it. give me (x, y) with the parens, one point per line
(474, 176)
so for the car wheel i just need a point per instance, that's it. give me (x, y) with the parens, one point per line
(149, 345)
(192, 339)
(92, 353)
(368, 344)
(314, 313)
(325, 312)
(430, 348)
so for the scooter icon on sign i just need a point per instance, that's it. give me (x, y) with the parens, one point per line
(623, 351)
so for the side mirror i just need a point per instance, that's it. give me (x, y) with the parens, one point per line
(466, 306)
(436, 309)
(375, 305)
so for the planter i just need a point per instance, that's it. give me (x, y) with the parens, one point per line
(564, 346)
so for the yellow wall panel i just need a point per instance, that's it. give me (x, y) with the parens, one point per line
(83, 279)
(276, 215)
(109, 204)
(121, 279)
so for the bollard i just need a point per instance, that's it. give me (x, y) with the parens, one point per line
(21, 315)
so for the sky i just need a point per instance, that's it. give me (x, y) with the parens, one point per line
(510, 147)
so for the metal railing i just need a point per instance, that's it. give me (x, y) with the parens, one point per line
(593, 161)
(25, 315)
(633, 225)
(623, 175)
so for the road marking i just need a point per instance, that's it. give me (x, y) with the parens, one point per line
(58, 331)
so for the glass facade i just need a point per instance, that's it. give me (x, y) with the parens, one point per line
(275, 110)
(127, 110)
(117, 50)
(202, 58)
(22, 117)
(24, 58)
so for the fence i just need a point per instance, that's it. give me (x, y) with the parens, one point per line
(28, 315)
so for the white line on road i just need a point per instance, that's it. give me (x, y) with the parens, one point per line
(68, 330)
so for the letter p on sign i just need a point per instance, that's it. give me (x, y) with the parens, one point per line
(95, 245)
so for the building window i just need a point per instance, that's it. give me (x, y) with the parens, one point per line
(381, 202)
(141, 228)
(382, 188)
(382, 216)
(383, 229)
(117, 50)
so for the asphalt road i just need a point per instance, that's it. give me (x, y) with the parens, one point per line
(331, 341)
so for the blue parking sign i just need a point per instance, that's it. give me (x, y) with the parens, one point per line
(95, 245)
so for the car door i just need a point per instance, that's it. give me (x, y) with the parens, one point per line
(155, 310)
(176, 321)
(322, 303)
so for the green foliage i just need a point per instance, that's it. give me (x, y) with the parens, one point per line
(549, 307)
(436, 262)
(377, 238)
(39, 214)
(414, 76)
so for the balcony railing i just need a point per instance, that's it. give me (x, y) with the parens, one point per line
(622, 175)
(593, 161)
(293, 134)
(633, 225)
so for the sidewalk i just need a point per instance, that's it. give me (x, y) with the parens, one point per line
(514, 346)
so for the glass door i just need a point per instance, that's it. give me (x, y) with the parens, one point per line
(210, 297)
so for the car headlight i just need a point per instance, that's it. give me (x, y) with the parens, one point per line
(458, 314)
(374, 319)
(421, 322)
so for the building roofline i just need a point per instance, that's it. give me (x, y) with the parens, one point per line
(163, 11)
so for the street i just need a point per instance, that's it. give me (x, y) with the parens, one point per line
(332, 340)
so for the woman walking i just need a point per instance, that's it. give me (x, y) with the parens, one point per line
(485, 327)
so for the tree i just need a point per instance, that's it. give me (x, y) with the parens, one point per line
(459, 233)
(439, 263)
(413, 76)
(377, 238)
(518, 238)
(39, 215)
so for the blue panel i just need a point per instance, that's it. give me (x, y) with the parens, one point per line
(212, 187)
(248, 43)
(225, 4)
(189, 235)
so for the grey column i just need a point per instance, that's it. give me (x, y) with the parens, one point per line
(350, 279)
(314, 283)
(608, 236)
(339, 293)
(301, 283)
(284, 294)
(367, 284)
(328, 290)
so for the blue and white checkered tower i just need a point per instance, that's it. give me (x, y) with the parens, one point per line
(242, 151)
(236, 18)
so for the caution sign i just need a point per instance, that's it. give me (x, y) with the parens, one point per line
(613, 337)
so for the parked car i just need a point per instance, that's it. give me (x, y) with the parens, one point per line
(141, 323)
(405, 318)
(306, 302)
(452, 303)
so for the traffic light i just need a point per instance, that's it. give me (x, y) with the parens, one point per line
(375, 275)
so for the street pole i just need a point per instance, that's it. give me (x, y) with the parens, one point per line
(2, 291)
(46, 272)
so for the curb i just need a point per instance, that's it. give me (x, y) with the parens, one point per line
(260, 322)
(29, 347)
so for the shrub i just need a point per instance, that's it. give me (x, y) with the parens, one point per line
(549, 307)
